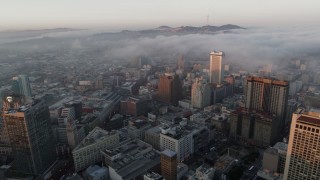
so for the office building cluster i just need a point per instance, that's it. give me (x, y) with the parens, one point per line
(154, 119)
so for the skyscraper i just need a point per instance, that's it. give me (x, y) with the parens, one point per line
(268, 95)
(215, 67)
(170, 89)
(21, 85)
(200, 94)
(169, 164)
(181, 63)
(303, 155)
(29, 134)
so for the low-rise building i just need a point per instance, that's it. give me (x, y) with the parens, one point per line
(152, 137)
(204, 172)
(152, 176)
(273, 163)
(96, 172)
(88, 151)
(130, 160)
(137, 128)
(223, 166)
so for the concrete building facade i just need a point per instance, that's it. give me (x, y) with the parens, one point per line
(200, 94)
(268, 95)
(169, 164)
(169, 89)
(303, 156)
(88, 151)
(30, 136)
(257, 128)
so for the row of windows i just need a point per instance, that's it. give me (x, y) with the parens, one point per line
(299, 126)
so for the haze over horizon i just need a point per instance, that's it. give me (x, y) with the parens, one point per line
(117, 15)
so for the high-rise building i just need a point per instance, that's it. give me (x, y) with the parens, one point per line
(215, 73)
(29, 133)
(256, 128)
(99, 83)
(180, 143)
(200, 94)
(170, 89)
(268, 95)
(303, 155)
(21, 85)
(181, 63)
(169, 164)
(184, 141)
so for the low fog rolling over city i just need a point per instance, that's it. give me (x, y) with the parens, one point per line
(121, 90)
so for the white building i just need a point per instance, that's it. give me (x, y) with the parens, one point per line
(181, 143)
(88, 152)
(152, 176)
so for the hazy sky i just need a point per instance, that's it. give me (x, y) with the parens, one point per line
(138, 14)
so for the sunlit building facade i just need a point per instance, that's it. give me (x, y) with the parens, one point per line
(268, 95)
(215, 73)
(29, 134)
(303, 155)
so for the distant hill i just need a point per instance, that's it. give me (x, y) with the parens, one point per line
(183, 30)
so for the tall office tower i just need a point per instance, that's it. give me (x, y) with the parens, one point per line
(303, 155)
(181, 63)
(169, 164)
(77, 105)
(99, 82)
(200, 94)
(29, 133)
(215, 67)
(21, 85)
(268, 95)
(170, 89)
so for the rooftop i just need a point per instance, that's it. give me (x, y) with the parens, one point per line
(268, 80)
(262, 114)
(153, 175)
(95, 136)
(176, 132)
(205, 169)
(132, 158)
(307, 119)
(224, 163)
(281, 146)
(169, 153)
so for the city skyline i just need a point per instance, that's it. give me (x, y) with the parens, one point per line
(159, 90)
(118, 15)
